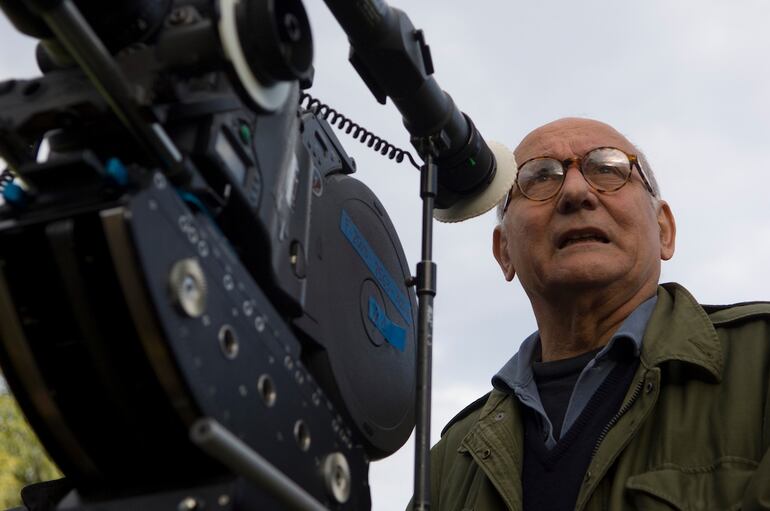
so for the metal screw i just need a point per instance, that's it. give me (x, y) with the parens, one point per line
(187, 283)
(267, 389)
(228, 341)
(159, 181)
(302, 435)
(184, 222)
(259, 323)
(189, 504)
(336, 474)
(203, 248)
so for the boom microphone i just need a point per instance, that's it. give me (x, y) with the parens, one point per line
(394, 61)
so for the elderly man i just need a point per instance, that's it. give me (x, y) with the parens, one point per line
(630, 395)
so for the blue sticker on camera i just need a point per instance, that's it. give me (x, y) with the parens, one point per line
(381, 274)
(394, 334)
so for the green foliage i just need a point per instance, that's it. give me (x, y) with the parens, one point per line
(22, 459)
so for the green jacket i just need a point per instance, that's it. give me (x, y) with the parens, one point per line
(692, 434)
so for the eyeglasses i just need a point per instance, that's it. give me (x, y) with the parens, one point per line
(606, 169)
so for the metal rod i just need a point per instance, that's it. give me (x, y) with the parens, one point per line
(228, 449)
(426, 291)
(74, 32)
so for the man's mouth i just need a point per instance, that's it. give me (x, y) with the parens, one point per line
(576, 237)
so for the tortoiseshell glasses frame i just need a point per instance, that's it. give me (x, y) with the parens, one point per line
(605, 169)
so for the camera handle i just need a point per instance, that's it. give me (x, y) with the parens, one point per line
(222, 445)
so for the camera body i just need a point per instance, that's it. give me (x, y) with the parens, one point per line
(252, 281)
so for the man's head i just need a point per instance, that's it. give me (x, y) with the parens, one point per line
(582, 238)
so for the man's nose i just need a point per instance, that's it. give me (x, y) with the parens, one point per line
(575, 193)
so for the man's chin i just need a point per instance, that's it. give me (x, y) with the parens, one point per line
(584, 276)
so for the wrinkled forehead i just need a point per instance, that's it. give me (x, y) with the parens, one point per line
(569, 138)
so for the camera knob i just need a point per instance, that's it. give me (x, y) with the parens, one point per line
(269, 45)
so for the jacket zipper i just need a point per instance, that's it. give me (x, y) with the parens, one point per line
(623, 409)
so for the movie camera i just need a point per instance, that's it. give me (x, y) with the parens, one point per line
(200, 307)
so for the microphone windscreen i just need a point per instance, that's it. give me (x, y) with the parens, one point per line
(486, 199)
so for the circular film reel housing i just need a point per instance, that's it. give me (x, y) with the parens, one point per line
(364, 316)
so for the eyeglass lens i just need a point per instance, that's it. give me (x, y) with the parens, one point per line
(605, 169)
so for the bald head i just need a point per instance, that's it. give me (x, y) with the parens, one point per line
(572, 135)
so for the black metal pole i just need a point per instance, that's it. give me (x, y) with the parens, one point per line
(426, 291)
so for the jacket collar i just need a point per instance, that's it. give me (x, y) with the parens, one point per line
(516, 375)
(680, 330)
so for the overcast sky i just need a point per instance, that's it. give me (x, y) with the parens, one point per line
(687, 81)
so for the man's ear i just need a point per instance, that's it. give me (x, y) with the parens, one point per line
(500, 250)
(667, 226)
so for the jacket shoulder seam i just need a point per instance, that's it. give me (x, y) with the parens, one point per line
(465, 412)
(726, 314)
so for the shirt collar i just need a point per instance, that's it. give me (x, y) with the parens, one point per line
(517, 372)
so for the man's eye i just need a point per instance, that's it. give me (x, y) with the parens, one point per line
(544, 175)
(607, 170)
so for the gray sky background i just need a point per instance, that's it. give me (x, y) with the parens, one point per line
(687, 81)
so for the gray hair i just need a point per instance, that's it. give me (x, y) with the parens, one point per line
(646, 168)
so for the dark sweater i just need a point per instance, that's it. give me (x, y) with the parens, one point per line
(555, 383)
(551, 479)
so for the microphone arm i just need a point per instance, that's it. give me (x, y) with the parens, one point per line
(392, 58)
(394, 61)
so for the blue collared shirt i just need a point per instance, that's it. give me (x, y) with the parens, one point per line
(517, 376)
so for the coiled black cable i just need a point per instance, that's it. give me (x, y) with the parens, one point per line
(355, 130)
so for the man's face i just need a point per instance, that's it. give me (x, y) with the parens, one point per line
(582, 238)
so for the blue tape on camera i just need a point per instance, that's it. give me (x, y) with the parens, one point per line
(381, 274)
(392, 333)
